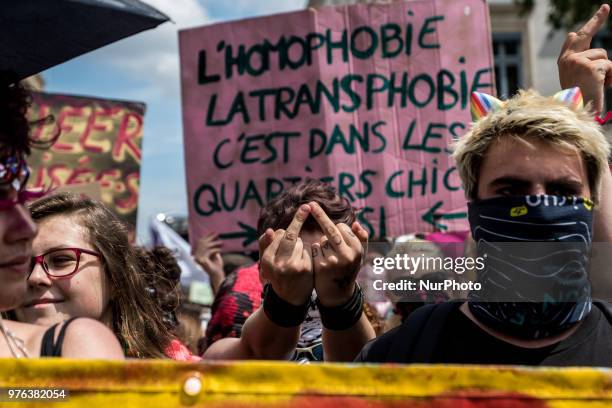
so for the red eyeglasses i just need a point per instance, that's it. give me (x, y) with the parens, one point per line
(61, 262)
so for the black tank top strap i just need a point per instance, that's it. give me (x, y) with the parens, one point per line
(46, 347)
(50, 348)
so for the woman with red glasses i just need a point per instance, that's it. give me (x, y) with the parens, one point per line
(84, 266)
(83, 338)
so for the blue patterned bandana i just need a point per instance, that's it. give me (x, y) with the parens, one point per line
(535, 282)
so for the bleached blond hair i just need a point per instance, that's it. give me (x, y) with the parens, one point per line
(530, 116)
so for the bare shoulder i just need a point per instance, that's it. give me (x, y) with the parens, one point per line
(84, 339)
(89, 339)
(31, 335)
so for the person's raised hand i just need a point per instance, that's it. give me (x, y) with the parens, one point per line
(207, 253)
(336, 258)
(589, 69)
(285, 263)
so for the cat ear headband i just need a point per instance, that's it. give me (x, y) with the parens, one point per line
(482, 104)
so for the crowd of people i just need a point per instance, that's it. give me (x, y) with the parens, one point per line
(534, 169)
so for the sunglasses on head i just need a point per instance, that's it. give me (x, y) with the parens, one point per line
(14, 175)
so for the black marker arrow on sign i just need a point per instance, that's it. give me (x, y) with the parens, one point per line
(247, 232)
(431, 217)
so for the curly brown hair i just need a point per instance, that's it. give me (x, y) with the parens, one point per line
(163, 276)
(279, 211)
(15, 128)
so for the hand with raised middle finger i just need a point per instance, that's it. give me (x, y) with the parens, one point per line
(336, 258)
(285, 263)
(579, 65)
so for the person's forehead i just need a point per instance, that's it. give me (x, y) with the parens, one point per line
(511, 143)
(60, 230)
(526, 158)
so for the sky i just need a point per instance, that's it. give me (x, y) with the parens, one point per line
(145, 68)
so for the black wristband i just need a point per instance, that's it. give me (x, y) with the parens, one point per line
(281, 312)
(344, 316)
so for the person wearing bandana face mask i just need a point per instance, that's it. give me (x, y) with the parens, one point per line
(532, 168)
(84, 338)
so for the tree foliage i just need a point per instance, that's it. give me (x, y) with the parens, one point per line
(566, 14)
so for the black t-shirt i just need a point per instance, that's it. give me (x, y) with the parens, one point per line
(461, 341)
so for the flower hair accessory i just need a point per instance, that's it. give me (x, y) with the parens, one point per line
(14, 175)
(14, 170)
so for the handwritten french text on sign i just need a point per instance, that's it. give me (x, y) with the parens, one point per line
(367, 97)
(100, 141)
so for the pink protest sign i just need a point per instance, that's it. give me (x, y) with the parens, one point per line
(367, 97)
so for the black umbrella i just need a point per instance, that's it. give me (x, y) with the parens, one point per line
(38, 34)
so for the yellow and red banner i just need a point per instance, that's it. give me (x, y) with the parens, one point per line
(256, 384)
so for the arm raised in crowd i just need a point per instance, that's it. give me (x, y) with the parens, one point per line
(579, 65)
(591, 70)
(273, 330)
(207, 254)
(336, 262)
